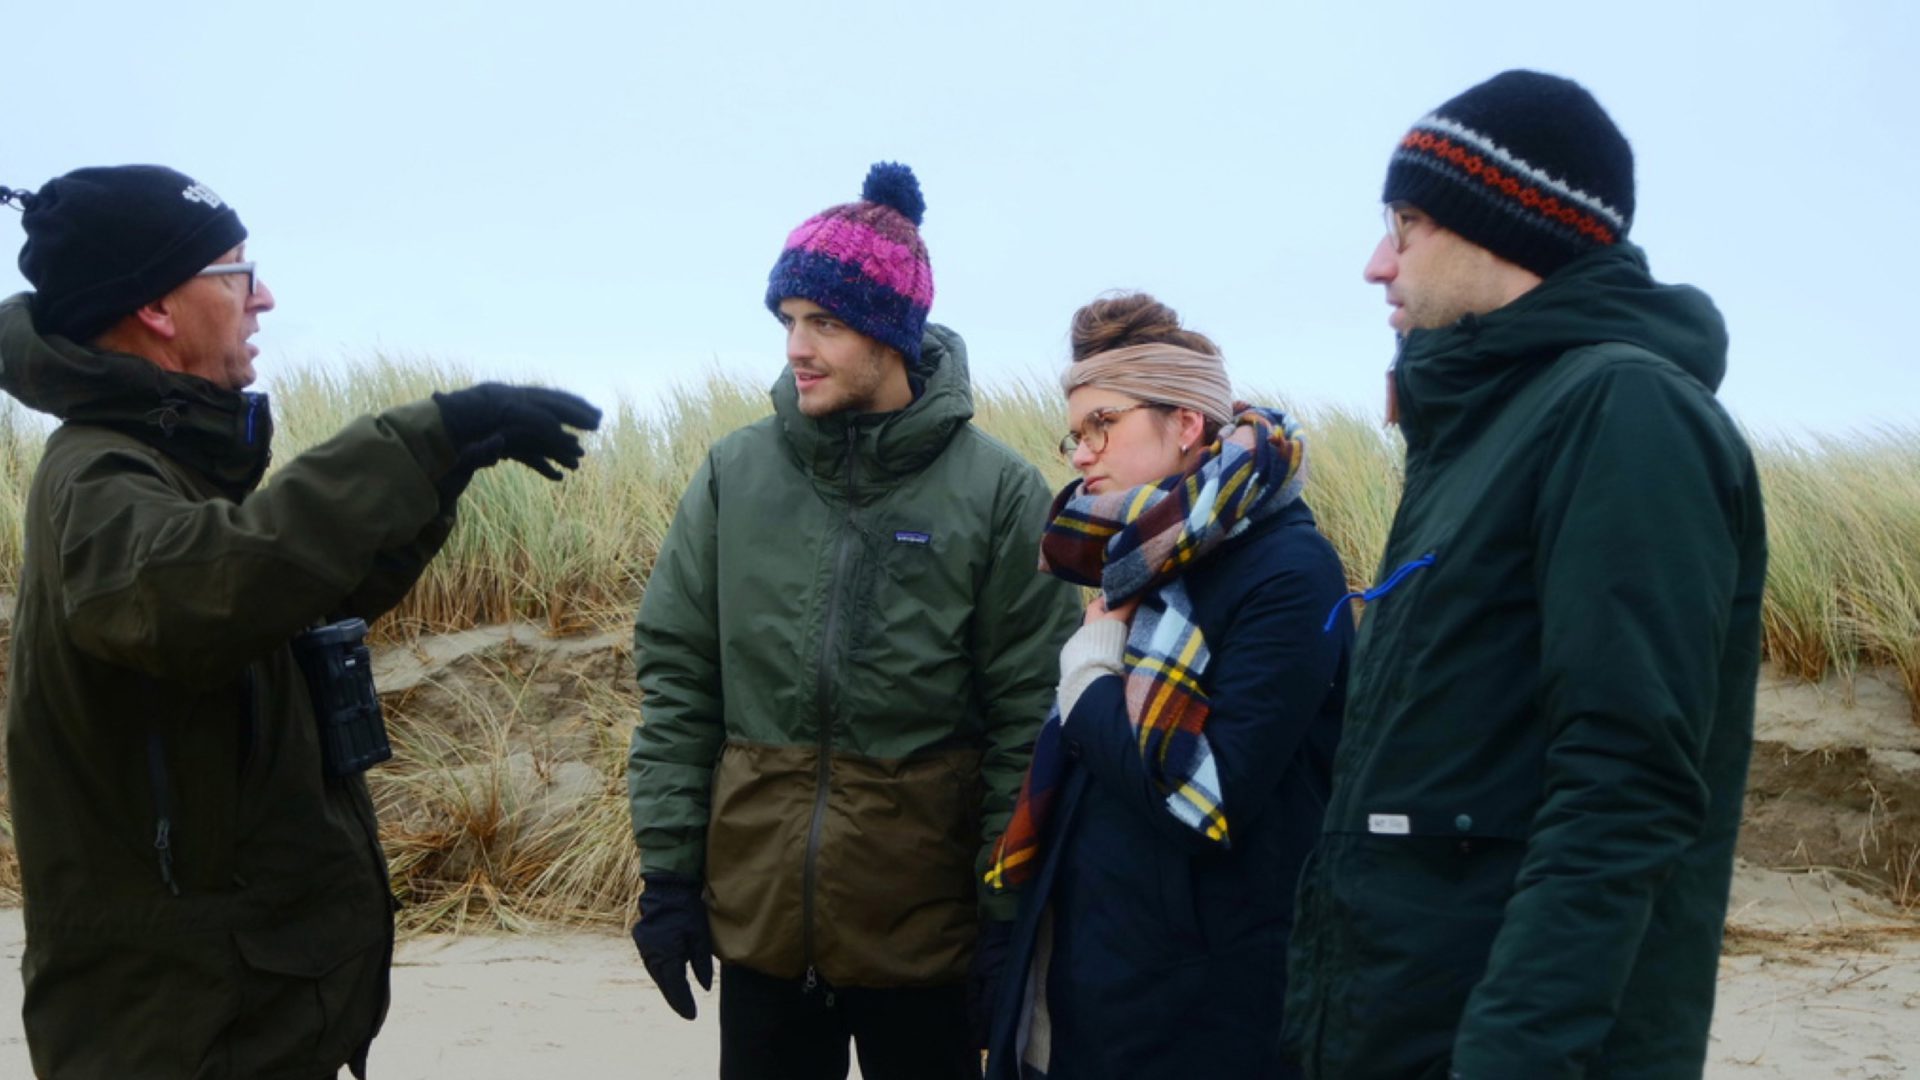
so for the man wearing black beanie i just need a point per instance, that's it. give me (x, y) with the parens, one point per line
(204, 887)
(1525, 862)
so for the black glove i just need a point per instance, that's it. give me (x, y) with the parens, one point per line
(983, 978)
(492, 421)
(672, 934)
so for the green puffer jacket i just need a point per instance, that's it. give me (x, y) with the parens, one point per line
(200, 901)
(845, 652)
(1526, 860)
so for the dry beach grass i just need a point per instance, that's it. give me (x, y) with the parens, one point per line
(508, 682)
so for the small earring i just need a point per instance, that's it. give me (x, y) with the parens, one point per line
(1186, 448)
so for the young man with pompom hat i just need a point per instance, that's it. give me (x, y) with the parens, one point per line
(1525, 862)
(845, 652)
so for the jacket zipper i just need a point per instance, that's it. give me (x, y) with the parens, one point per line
(253, 415)
(823, 699)
(1413, 478)
(162, 809)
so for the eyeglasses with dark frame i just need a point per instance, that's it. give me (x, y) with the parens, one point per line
(224, 269)
(1401, 218)
(1094, 427)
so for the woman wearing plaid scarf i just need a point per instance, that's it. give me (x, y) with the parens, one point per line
(1179, 784)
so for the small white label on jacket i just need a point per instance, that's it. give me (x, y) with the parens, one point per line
(1390, 824)
(905, 536)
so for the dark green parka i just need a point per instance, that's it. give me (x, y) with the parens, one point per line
(845, 652)
(1526, 860)
(200, 901)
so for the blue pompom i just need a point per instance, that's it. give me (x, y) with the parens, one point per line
(892, 184)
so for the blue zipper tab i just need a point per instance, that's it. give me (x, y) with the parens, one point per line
(1380, 590)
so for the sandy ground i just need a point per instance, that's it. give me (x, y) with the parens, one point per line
(1852, 1013)
(565, 1006)
(1819, 982)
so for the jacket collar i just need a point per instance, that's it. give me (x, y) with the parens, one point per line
(224, 435)
(1452, 381)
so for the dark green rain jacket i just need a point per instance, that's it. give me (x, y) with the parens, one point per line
(200, 901)
(845, 652)
(1526, 860)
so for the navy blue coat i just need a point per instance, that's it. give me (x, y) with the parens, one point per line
(1169, 955)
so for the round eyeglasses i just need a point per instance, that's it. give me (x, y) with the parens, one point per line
(1093, 429)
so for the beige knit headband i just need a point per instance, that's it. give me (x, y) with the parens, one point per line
(1162, 374)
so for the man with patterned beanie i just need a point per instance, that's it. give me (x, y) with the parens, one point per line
(1525, 863)
(187, 731)
(845, 651)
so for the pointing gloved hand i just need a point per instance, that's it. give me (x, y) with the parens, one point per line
(671, 935)
(493, 422)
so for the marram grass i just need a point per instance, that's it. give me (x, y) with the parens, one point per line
(467, 847)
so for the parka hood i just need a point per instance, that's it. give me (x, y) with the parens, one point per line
(224, 434)
(888, 445)
(1448, 379)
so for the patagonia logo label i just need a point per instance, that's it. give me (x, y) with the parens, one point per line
(1389, 824)
(907, 536)
(201, 193)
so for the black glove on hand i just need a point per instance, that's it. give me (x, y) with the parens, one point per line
(983, 978)
(672, 934)
(492, 421)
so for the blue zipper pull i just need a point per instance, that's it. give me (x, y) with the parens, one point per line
(1378, 591)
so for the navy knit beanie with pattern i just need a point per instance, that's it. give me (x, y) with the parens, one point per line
(102, 241)
(1526, 165)
(864, 262)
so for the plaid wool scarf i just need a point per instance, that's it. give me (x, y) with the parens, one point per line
(1137, 543)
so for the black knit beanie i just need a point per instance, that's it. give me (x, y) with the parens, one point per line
(1526, 165)
(103, 241)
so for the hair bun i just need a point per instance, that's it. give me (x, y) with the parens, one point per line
(1117, 320)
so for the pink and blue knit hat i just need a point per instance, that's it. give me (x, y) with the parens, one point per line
(864, 262)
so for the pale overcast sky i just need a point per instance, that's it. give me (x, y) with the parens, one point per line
(593, 192)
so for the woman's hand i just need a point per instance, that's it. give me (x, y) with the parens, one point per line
(1098, 610)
